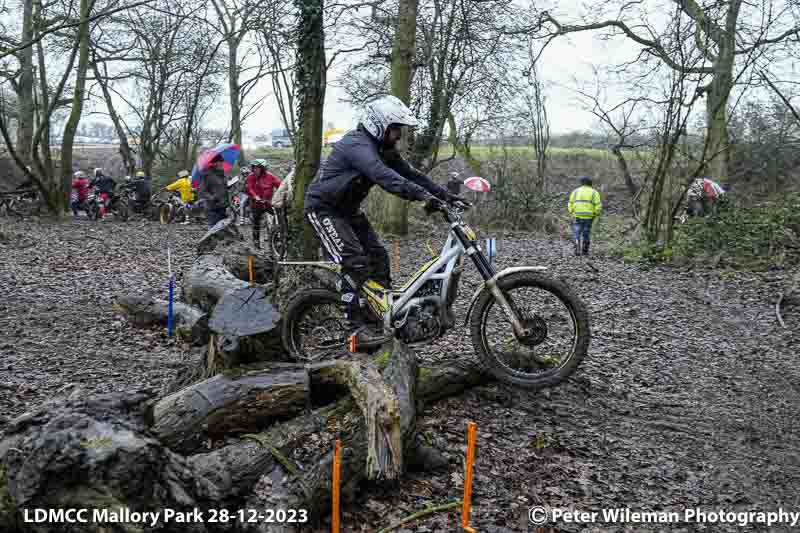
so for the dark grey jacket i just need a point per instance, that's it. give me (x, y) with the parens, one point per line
(354, 166)
(214, 189)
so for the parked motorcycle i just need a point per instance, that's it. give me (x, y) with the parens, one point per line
(117, 204)
(173, 209)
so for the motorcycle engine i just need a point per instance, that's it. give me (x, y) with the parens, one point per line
(422, 322)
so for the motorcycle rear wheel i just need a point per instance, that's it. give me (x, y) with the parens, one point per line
(166, 213)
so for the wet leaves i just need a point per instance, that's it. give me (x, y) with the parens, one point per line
(688, 396)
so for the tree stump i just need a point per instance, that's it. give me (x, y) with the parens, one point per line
(245, 328)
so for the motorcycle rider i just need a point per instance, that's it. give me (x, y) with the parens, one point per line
(105, 187)
(143, 190)
(260, 187)
(80, 190)
(184, 186)
(364, 157)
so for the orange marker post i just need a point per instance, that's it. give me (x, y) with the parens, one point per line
(250, 268)
(337, 460)
(472, 437)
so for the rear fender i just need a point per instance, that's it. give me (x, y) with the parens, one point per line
(497, 277)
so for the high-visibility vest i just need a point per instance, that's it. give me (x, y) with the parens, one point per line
(584, 202)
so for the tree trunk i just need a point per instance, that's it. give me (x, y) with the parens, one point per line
(25, 100)
(718, 150)
(625, 171)
(41, 141)
(71, 127)
(234, 90)
(462, 148)
(310, 80)
(395, 209)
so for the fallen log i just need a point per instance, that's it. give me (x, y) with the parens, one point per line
(310, 488)
(235, 401)
(114, 462)
(191, 323)
(208, 281)
(93, 452)
(223, 234)
(247, 465)
(225, 240)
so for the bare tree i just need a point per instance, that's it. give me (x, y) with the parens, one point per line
(276, 40)
(717, 33)
(534, 112)
(621, 120)
(236, 20)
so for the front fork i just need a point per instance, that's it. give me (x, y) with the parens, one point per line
(488, 273)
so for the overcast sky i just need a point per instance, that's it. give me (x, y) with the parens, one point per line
(565, 59)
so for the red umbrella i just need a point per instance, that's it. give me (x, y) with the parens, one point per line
(477, 184)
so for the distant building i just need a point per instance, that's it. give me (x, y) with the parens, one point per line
(281, 138)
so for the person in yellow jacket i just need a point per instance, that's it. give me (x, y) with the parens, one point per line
(184, 186)
(584, 207)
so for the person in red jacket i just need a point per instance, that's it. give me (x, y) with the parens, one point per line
(80, 190)
(260, 187)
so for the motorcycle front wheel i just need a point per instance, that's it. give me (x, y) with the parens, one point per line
(557, 325)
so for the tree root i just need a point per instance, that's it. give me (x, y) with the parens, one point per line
(421, 514)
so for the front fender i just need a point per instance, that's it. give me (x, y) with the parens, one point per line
(497, 277)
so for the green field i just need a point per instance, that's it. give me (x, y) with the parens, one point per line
(479, 152)
(490, 152)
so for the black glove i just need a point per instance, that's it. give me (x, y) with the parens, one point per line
(457, 201)
(433, 204)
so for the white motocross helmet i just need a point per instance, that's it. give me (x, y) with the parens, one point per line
(380, 113)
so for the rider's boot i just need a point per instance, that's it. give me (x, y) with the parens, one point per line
(586, 247)
(363, 335)
(577, 245)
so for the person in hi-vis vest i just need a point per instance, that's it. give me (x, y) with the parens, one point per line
(584, 207)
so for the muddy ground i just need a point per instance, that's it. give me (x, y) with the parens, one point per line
(688, 397)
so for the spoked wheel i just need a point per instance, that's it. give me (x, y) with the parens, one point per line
(166, 213)
(94, 212)
(557, 331)
(277, 243)
(315, 325)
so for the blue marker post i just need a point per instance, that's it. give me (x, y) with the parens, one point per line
(491, 249)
